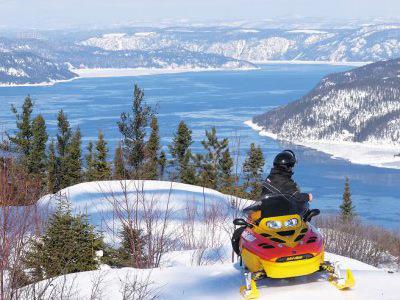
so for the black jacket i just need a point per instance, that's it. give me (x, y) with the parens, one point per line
(279, 181)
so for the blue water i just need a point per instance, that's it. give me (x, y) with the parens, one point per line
(225, 100)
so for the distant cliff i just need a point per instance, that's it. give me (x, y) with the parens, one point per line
(361, 105)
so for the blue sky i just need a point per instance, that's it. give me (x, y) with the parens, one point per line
(60, 13)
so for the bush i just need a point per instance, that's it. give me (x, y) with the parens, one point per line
(68, 245)
(367, 243)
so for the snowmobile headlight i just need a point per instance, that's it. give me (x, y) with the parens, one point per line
(291, 222)
(274, 224)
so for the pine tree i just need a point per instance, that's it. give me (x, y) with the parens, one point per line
(102, 170)
(36, 161)
(253, 170)
(347, 209)
(227, 179)
(68, 245)
(119, 171)
(64, 134)
(89, 158)
(162, 162)
(133, 129)
(181, 155)
(152, 150)
(53, 177)
(131, 252)
(23, 137)
(210, 163)
(72, 163)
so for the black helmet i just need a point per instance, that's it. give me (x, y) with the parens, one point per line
(285, 159)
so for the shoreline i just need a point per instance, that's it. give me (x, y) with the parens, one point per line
(127, 72)
(356, 153)
(131, 72)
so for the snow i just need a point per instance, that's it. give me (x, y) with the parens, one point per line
(307, 31)
(222, 281)
(114, 72)
(374, 154)
(181, 276)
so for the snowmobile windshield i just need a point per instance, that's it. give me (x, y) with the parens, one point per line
(282, 205)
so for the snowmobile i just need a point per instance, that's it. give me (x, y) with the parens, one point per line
(278, 241)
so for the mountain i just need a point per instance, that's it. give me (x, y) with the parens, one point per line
(191, 47)
(27, 68)
(361, 105)
(364, 43)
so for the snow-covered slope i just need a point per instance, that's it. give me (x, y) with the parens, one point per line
(222, 281)
(358, 106)
(365, 43)
(27, 68)
(181, 275)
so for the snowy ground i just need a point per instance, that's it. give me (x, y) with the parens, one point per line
(182, 274)
(222, 281)
(382, 156)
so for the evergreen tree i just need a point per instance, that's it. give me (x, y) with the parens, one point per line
(68, 245)
(64, 134)
(37, 157)
(183, 168)
(72, 163)
(151, 166)
(53, 177)
(347, 209)
(131, 252)
(22, 141)
(227, 179)
(89, 158)
(210, 163)
(119, 171)
(253, 170)
(102, 170)
(162, 164)
(133, 129)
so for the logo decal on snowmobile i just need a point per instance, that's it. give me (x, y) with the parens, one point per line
(248, 236)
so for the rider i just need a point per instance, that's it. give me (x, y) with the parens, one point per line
(280, 181)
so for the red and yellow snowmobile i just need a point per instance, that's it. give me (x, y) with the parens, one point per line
(277, 241)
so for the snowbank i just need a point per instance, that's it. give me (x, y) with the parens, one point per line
(222, 281)
(382, 156)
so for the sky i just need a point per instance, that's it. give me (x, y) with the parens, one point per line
(49, 14)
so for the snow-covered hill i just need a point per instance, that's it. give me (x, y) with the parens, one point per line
(206, 47)
(17, 68)
(359, 106)
(365, 43)
(222, 281)
(180, 275)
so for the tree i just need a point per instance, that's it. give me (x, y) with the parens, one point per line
(227, 179)
(64, 134)
(162, 164)
(131, 252)
(253, 170)
(182, 157)
(53, 176)
(211, 162)
(151, 166)
(101, 167)
(37, 158)
(133, 129)
(89, 158)
(72, 162)
(347, 209)
(68, 245)
(119, 171)
(23, 137)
